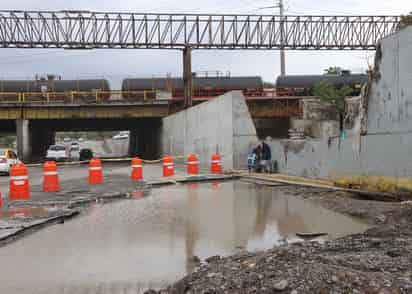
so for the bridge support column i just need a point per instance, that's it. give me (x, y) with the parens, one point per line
(187, 76)
(23, 139)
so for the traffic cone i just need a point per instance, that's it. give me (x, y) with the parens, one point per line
(192, 164)
(95, 172)
(50, 177)
(137, 169)
(168, 166)
(216, 166)
(19, 188)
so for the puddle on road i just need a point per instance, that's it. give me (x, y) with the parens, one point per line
(126, 246)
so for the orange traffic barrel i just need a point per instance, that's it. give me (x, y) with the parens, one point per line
(137, 169)
(192, 164)
(50, 177)
(19, 188)
(95, 172)
(216, 164)
(168, 166)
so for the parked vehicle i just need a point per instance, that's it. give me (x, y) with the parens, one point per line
(74, 146)
(57, 153)
(7, 158)
(85, 154)
(121, 135)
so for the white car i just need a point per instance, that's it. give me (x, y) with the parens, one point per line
(122, 135)
(74, 146)
(57, 153)
(7, 158)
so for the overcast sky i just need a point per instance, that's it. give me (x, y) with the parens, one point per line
(116, 64)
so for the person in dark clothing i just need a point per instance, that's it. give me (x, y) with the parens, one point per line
(258, 152)
(264, 157)
(266, 154)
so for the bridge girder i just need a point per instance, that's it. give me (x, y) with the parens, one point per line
(89, 30)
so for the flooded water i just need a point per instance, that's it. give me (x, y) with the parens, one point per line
(127, 246)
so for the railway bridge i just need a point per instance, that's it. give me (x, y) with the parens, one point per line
(37, 116)
(36, 121)
(185, 32)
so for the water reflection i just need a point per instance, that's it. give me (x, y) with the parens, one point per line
(129, 245)
(24, 212)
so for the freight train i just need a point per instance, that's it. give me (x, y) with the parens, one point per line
(202, 86)
(61, 90)
(148, 88)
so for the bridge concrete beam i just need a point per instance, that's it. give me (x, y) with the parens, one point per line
(35, 112)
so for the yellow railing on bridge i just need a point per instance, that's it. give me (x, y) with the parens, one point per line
(77, 96)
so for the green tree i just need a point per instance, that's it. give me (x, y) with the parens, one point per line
(332, 70)
(334, 96)
(406, 20)
(51, 77)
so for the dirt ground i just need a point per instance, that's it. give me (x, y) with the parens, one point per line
(376, 261)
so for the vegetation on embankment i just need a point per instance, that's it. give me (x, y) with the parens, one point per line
(406, 20)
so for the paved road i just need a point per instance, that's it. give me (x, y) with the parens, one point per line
(72, 172)
(107, 148)
(66, 173)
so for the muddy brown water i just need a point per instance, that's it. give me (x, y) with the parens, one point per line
(127, 246)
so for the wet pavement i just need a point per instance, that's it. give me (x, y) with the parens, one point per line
(129, 245)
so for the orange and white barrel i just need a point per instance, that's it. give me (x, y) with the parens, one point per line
(50, 177)
(137, 169)
(192, 164)
(19, 187)
(216, 164)
(168, 166)
(95, 172)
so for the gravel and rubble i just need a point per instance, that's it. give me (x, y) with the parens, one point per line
(376, 261)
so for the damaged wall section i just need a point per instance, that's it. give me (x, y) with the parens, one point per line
(384, 150)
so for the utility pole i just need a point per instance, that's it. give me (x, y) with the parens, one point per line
(282, 39)
(279, 4)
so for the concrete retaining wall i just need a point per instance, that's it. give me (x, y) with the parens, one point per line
(385, 151)
(222, 124)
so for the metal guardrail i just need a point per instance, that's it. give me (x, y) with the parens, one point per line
(103, 97)
(77, 97)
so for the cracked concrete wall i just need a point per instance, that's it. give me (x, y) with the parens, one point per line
(222, 124)
(386, 148)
